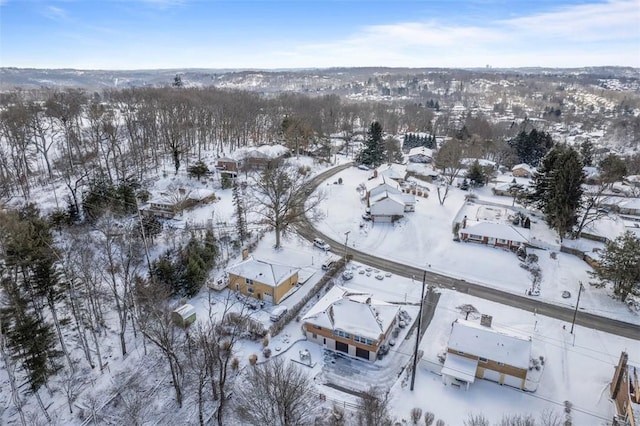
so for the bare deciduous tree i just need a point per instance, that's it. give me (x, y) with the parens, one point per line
(277, 393)
(476, 420)
(280, 199)
(373, 409)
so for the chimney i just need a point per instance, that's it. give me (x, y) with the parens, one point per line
(245, 254)
(485, 320)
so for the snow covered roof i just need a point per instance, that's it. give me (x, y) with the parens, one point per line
(496, 230)
(382, 184)
(421, 150)
(490, 343)
(185, 311)
(200, 194)
(263, 151)
(392, 171)
(460, 367)
(394, 196)
(523, 166)
(630, 203)
(267, 273)
(351, 312)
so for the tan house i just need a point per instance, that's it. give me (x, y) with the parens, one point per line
(351, 323)
(625, 393)
(522, 170)
(484, 352)
(262, 280)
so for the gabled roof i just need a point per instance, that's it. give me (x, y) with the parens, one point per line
(267, 273)
(351, 312)
(392, 171)
(523, 166)
(490, 343)
(386, 194)
(496, 230)
(421, 150)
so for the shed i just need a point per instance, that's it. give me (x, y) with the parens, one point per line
(184, 315)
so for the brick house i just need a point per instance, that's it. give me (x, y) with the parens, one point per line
(351, 323)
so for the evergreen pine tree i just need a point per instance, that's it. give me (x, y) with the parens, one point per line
(238, 203)
(586, 152)
(373, 152)
(558, 189)
(619, 265)
(476, 174)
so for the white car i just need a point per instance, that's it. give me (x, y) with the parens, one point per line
(318, 242)
(347, 275)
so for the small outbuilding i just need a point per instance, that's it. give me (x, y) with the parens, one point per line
(184, 315)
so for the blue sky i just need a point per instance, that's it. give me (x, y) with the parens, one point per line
(149, 34)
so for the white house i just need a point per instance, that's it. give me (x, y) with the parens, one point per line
(350, 322)
(485, 352)
(386, 200)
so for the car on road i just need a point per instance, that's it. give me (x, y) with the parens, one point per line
(320, 243)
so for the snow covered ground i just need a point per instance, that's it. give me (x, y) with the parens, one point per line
(577, 368)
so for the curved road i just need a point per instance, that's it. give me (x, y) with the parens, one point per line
(562, 313)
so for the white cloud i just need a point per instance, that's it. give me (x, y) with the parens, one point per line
(591, 34)
(55, 13)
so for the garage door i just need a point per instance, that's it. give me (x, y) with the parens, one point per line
(492, 375)
(516, 382)
(362, 353)
(267, 297)
(342, 347)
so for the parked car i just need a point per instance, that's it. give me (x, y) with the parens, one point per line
(347, 275)
(318, 242)
(363, 167)
(366, 216)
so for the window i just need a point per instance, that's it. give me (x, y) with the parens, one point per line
(248, 281)
(460, 352)
(317, 327)
(341, 333)
(501, 364)
(250, 289)
(483, 360)
(501, 241)
(314, 335)
(475, 237)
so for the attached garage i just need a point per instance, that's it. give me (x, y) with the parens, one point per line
(492, 375)
(362, 353)
(516, 382)
(342, 347)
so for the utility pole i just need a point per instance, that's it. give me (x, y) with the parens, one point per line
(346, 239)
(577, 303)
(415, 350)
